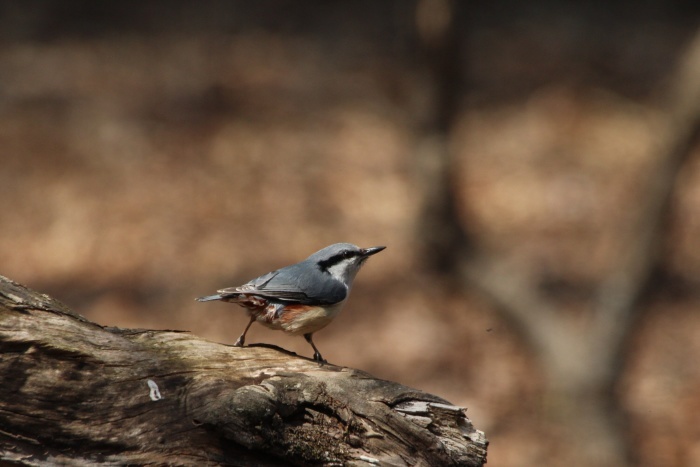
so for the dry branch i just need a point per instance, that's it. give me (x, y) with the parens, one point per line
(620, 293)
(76, 392)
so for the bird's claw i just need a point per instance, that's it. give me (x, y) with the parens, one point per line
(318, 358)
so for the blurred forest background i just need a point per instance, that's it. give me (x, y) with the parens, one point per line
(531, 166)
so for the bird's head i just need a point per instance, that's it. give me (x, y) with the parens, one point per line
(343, 260)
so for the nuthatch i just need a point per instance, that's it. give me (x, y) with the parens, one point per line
(302, 298)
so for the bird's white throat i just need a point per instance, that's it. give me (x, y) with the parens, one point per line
(345, 271)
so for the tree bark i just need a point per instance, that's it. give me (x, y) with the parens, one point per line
(76, 392)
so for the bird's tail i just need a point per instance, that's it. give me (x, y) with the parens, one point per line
(209, 298)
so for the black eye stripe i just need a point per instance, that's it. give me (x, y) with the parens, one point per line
(337, 258)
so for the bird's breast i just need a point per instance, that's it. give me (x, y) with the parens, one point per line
(304, 319)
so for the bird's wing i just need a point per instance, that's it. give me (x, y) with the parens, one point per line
(294, 285)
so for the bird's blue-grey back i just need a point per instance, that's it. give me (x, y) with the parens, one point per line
(310, 282)
(303, 282)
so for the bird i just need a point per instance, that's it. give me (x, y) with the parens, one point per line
(302, 298)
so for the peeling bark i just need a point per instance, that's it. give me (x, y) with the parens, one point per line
(76, 392)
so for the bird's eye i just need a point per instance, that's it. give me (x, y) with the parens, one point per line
(347, 254)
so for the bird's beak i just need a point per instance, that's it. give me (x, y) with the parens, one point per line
(371, 250)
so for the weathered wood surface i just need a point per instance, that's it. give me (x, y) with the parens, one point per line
(79, 393)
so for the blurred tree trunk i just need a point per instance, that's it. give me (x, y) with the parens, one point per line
(76, 392)
(442, 239)
(581, 366)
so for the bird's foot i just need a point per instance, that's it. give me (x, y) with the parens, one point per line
(239, 342)
(318, 358)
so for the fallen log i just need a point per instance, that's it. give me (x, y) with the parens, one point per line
(76, 392)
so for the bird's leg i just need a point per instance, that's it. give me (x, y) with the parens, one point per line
(241, 340)
(317, 354)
